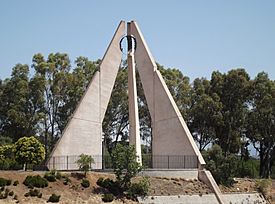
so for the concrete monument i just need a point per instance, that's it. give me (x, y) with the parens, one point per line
(83, 133)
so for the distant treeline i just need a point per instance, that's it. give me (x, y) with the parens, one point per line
(230, 110)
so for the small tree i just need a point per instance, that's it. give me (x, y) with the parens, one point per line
(28, 150)
(84, 163)
(125, 164)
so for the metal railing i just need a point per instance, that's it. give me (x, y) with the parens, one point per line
(148, 161)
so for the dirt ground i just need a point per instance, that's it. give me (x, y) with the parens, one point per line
(249, 186)
(175, 186)
(72, 193)
(75, 193)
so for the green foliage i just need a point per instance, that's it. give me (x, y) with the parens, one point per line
(139, 189)
(66, 181)
(15, 183)
(248, 168)
(58, 175)
(113, 186)
(35, 181)
(34, 193)
(222, 168)
(100, 181)
(85, 183)
(28, 150)
(108, 197)
(85, 163)
(4, 194)
(125, 164)
(54, 198)
(5, 182)
(7, 160)
(11, 193)
(50, 177)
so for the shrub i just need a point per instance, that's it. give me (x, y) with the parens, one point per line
(5, 182)
(125, 165)
(34, 192)
(84, 163)
(222, 168)
(58, 175)
(139, 189)
(11, 193)
(85, 183)
(100, 181)
(108, 197)
(15, 197)
(66, 181)
(50, 177)
(112, 186)
(15, 183)
(28, 150)
(8, 182)
(35, 181)
(54, 198)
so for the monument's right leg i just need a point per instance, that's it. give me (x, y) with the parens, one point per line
(171, 136)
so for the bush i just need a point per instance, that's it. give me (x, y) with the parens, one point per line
(4, 182)
(54, 198)
(50, 177)
(139, 189)
(58, 175)
(29, 150)
(34, 192)
(66, 181)
(84, 163)
(125, 165)
(112, 186)
(85, 183)
(15, 183)
(100, 181)
(35, 181)
(11, 193)
(222, 168)
(108, 197)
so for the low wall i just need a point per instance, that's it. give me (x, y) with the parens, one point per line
(234, 198)
(171, 173)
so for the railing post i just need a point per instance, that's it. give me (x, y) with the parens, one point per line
(53, 162)
(168, 163)
(184, 162)
(67, 162)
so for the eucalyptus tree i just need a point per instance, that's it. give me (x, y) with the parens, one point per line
(205, 113)
(261, 121)
(233, 91)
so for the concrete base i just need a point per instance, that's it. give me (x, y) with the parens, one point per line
(249, 198)
(188, 174)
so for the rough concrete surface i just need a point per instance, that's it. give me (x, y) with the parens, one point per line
(251, 198)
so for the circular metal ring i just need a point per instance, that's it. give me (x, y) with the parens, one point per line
(128, 37)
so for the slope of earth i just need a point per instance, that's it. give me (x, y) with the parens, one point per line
(75, 193)
(246, 185)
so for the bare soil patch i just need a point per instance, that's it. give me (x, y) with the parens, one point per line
(176, 186)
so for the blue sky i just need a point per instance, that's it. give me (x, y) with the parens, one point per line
(197, 37)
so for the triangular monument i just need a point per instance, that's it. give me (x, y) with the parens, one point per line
(83, 133)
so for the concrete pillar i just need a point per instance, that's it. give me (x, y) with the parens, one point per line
(171, 135)
(134, 133)
(83, 133)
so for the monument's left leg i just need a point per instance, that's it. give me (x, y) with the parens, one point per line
(83, 133)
